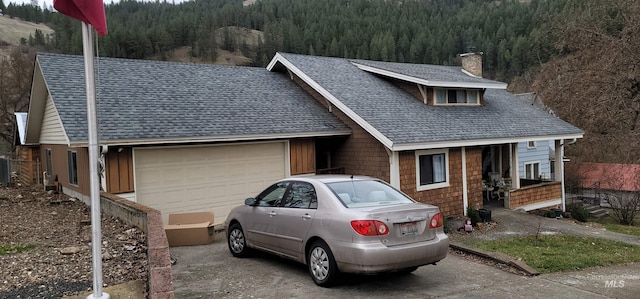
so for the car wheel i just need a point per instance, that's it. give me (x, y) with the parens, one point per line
(237, 241)
(322, 265)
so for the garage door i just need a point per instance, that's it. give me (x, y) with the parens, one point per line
(211, 178)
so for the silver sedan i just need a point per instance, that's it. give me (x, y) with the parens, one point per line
(339, 223)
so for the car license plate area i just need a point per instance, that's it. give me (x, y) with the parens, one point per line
(408, 229)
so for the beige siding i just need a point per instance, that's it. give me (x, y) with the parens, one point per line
(52, 131)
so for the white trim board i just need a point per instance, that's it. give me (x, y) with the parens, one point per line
(540, 205)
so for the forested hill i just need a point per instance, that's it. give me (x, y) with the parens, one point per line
(580, 56)
(512, 35)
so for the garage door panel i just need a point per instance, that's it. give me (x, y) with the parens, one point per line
(214, 178)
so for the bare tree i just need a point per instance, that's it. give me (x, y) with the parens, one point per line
(16, 71)
(622, 192)
(594, 83)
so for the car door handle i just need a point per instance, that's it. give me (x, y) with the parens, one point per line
(272, 213)
(306, 216)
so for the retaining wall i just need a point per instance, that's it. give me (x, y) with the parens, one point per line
(148, 220)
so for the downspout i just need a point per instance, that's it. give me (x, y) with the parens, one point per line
(465, 197)
(394, 169)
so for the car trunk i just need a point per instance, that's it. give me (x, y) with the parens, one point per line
(406, 223)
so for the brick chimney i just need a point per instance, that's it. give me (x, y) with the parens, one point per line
(472, 62)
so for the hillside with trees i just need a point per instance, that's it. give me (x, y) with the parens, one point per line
(577, 55)
(594, 81)
(512, 35)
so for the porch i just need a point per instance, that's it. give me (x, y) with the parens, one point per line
(514, 180)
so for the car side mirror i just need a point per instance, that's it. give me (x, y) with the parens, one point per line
(250, 201)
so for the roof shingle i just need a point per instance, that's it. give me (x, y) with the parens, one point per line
(405, 120)
(147, 100)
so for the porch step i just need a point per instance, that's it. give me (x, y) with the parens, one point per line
(595, 211)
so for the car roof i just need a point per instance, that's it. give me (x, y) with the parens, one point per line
(329, 178)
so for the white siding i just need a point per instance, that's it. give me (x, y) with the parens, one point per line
(52, 131)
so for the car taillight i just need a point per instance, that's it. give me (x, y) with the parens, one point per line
(436, 221)
(370, 227)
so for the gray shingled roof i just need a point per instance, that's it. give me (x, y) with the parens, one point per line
(405, 120)
(426, 71)
(147, 100)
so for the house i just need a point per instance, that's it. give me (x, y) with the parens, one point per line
(536, 158)
(184, 137)
(598, 180)
(177, 137)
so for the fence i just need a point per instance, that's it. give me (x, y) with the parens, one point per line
(15, 171)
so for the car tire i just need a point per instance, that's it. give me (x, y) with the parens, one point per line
(237, 241)
(322, 265)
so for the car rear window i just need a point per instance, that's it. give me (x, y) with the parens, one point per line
(363, 193)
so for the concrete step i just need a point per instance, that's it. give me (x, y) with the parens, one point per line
(591, 208)
(598, 213)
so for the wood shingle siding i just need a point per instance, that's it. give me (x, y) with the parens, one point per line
(361, 153)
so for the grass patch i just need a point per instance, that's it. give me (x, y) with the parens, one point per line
(612, 224)
(623, 229)
(10, 249)
(564, 253)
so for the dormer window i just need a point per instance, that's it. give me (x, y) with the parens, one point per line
(457, 97)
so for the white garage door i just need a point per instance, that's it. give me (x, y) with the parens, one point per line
(207, 178)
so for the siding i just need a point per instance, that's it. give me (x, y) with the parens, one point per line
(361, 153)
(51, 131)
(538, 154)
(535, 194)
(59, 165)
(448, 199)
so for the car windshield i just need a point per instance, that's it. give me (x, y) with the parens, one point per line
(362, 193)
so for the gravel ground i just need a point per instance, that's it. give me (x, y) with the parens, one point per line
(59, 262)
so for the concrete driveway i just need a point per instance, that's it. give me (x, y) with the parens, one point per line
(210, 271)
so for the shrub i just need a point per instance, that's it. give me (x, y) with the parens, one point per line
(578, 212)
(550, 214)
(473, 214)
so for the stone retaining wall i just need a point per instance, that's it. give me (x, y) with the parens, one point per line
(150, 221)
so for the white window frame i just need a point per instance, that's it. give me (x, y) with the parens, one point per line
(531, 166)
(446, 97)
(531, 144)
(446, 165)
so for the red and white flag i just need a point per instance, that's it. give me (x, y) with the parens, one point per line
(88, 11)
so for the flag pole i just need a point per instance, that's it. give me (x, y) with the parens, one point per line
(92, 134)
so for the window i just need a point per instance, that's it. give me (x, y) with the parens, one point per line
(72, 162)
(532, 170)
(47, 157)
(301, 195)
(456, 96)
(432, 169)
(367, 193)
(531, 144)
(272, 196)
